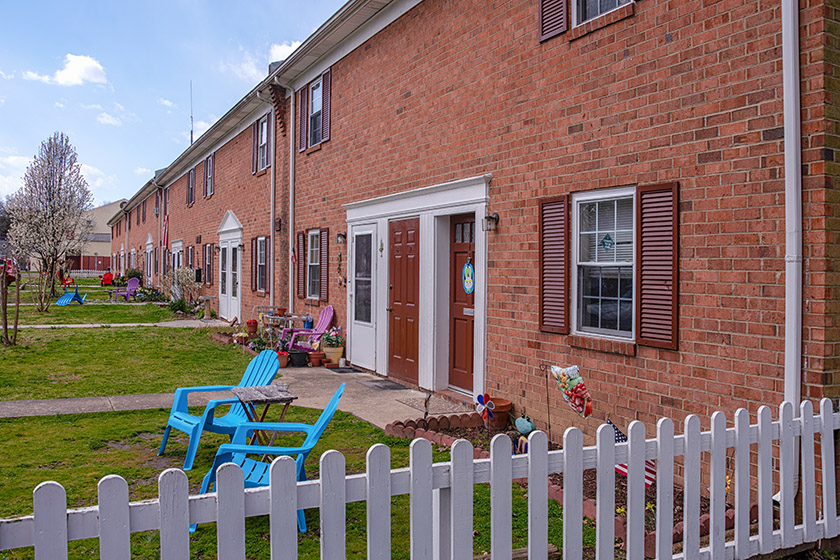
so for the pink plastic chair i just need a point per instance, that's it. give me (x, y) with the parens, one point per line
(314, 334)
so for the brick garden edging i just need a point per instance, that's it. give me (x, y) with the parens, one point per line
(427, 429)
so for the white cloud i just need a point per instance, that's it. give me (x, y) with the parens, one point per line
(95, 106)
(77, 70)
(59, 105)
(105, 118)
(248, 68)
(119, 107)
(165, 102)
(200, 127)
(93, 176)
(282, 51)
(12, 169)
(6, 76)
(2, 101)
(142, 171)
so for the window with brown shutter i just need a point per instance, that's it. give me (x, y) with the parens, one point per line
(300, 264)
(553, 18)
(254, 139)
(157, 260)
(554, 265)
(658, 265)
(144, 211)
(326, 86)
(324, 254)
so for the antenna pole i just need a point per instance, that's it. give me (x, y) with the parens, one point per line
(191, 115)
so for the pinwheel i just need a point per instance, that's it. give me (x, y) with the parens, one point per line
(484, 405)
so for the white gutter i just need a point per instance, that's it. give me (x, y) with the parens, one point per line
(793, 213)
(270, 257)
(291, 224)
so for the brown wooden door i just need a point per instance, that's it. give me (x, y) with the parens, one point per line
(404, 293)
(461, 302)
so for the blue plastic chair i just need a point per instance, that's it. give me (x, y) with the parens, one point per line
(256, 471)
(260, 371)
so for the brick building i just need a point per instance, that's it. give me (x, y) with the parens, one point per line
(480, 188)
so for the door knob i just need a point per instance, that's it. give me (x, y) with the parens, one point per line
(388, 309)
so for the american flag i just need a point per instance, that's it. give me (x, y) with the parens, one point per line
(650, 464)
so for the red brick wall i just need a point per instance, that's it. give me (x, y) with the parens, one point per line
(677, 91)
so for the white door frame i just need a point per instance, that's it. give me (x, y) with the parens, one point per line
(433, 205)
(230, 237)
(361, 337)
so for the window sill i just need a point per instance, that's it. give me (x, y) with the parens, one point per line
(209, 196)
(600, 22)
(606, 345)
(261, 172)
(313, 149)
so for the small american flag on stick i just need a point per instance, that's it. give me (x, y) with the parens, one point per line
(650, 464)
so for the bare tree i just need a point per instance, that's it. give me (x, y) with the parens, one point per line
(9, 339)
(47, 214)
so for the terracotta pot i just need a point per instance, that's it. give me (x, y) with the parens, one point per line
(251, 328)
(240, 339)
(281, 311)
(283, 359)
(501, 415)
(315, 358)
(333, 352)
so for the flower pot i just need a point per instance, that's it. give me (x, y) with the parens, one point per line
(333, 352)
(297, 359)
(501, 415)
(251, 328)
(240, 339)
(281, 311)
(315, 358)
(283, 359)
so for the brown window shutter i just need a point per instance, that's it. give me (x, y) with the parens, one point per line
(657, 286)
(157, 260)
(268, 132)
(554, 265)
(204, 182)
(253, 264)
(303, 114)
(325, 105)
(255, 133)
(324, 265)
(300, 263)
(212, 263)
(553, 18)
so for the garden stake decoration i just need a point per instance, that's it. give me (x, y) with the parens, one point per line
(484, 406)
(574, 389)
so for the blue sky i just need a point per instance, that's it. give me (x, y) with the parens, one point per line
(115, 77)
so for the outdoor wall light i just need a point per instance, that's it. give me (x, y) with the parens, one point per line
(490, 222)
(217, 249)
(341, 237)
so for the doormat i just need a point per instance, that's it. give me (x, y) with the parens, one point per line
(345, 370)
(437, 405)
(383, 385)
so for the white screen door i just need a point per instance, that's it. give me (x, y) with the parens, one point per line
(362, 335)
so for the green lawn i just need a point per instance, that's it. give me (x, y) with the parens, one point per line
(75, 314)
(54, 363)
(81, 449)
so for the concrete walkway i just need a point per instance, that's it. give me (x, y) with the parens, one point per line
(367, 396)
(179, 323)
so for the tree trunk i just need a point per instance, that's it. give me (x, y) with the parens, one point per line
(17, 307)
(4, 300)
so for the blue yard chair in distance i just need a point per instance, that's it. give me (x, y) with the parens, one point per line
(257, 471)
(260, 371)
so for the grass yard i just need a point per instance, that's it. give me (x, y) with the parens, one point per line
(56, 363)
(81, 449)
(85, 314)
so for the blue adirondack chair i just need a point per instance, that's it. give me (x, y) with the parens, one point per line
(260, 371)
(256, 471)
(68, 297)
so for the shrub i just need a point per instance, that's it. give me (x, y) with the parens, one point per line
(134, 273)
(178, 305)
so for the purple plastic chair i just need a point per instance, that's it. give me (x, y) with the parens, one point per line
(130, 288)
(314, 334)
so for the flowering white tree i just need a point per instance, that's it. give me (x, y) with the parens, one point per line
(47, 214)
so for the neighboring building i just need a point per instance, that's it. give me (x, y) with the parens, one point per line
(97, 250)
(616, 182)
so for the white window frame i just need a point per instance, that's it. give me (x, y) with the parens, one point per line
(316, 86)
(208, 260)
(313, 263)
(261, 264)
(262, 143)
(210, 171)
(190, 257)
(191, 186)
(577, 200)
(577, 11)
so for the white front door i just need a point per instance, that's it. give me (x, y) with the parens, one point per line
(230, 268)
(362, 306)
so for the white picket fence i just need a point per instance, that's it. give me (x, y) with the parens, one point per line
(441, 496)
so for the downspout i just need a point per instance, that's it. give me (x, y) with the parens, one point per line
(158, 263)
(291, 225)
(273, 195)
(793, 213)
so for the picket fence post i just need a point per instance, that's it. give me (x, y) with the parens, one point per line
(173, 497)
(691, 488)
(230, 496)
(664, 488)
(636, 491)
(786, 453)
(378, 495)
(501, 500)
(49, 507)
(605, 493)
(572, 494)
(461, 500)
(829, 484)
(807, 478)
(538, 495)
(421, 499)
(114, 528)
(333, 505)
(282, 495)
(742, 484)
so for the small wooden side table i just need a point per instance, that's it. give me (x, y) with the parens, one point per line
(265, 395)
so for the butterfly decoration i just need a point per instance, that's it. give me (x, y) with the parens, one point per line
(484, 406)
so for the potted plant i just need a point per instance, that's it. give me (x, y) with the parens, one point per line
(332, 344)
(251, 326)
(283, 358)
(315, 358)
(240, 337)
